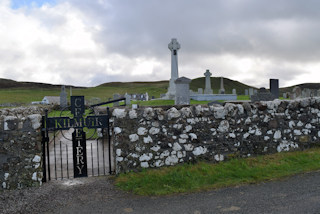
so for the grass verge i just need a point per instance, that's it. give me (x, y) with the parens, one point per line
(204, 176)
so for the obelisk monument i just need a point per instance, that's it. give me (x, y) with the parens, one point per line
(173, 46)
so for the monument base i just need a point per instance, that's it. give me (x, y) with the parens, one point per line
(213, 97)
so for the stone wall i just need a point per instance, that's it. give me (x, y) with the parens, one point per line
(164, 136)
(20, 147)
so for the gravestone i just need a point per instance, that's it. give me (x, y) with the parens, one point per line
(182, 91)
(255, 91)
(250, 92)
(274, 88)
(115, 97)
(234, 91)
(246, 92)
(262, 95)
(173, 46)
(296, 92)
(128, 99)
(221, 90)
(200, 91)
(147, 96)
(63, 98)
(208, 89)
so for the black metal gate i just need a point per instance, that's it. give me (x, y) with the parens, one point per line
(76, 144)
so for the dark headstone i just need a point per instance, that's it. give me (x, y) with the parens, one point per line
(262, 95)
(274, 88)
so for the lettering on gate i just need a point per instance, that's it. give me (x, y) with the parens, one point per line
(78, 122)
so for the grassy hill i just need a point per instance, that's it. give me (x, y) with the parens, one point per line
(26, 92)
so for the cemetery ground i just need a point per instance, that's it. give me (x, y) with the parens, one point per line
(252, 185)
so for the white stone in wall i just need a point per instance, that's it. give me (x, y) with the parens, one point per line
(300, 124)
(266, 138)
(309, 126)
(133, 137)
(304, 102)
(119, 113)
(286, 131)
(164, 130)
(174, 137)
(164, 154)
(145, 157)
(292, 124)
(277, 135)
(285, 146)
(182, 141)
(314, 110)
(6, 176)
(171, 160)
(155, 148)
(240, 109)
(258, 132)
(119, 159)
(214, 131)
(117, 130)
(306, 131)
(134, 155)
(36, 159)
(188, 147)
(245, 135)
(251, 130)
(133, 114)
(247, 121)
(318, 133)
(223, 126)
(176, 147)
(232, 135)
(230, 109)
(8, 118)
(34, 176)
(170, 145)
(198, 110)
(118, 152)
(266, 119)
(184, 136)
(191, 121)
(154, 130)
(35, 120)
(219, 157)
(4, 185)
(193, 136)
(269, 132)
(144, 164)
(147, 139)
(159, 163)
(155, 124)
(177, 126)
(142, 131)
(219, 112)
(199, 150)
(186, 112)
(148, 113)
(173, 113)
(188, 128)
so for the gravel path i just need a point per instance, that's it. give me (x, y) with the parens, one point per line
(298, 194)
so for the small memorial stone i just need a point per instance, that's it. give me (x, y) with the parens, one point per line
(183, 92)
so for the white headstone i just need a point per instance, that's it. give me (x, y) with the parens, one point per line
(183, 91)
(221, 90)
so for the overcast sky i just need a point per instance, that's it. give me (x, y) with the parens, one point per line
(89, 42)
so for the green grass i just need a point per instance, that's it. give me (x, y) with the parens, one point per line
(204, 176)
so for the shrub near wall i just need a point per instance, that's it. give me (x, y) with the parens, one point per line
(159, 136)
(20, 147)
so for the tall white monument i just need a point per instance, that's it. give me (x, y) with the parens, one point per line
(174, 46)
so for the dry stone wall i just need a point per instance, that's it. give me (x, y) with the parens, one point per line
(164, 136)
(20, 147)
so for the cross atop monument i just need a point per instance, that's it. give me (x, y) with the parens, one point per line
(174, 46)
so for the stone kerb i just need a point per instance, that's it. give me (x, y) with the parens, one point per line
(20, 147)
(163, 136)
